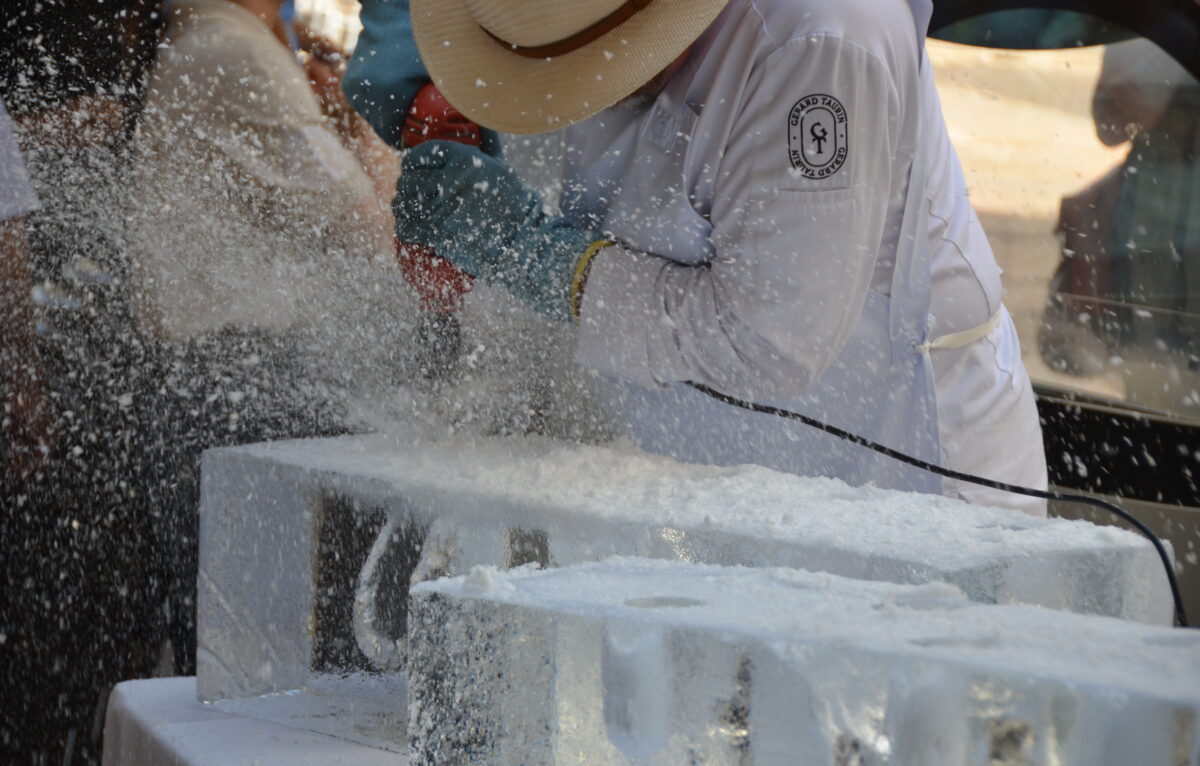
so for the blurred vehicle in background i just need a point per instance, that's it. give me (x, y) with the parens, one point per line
(1079, 136)
(1130, 275)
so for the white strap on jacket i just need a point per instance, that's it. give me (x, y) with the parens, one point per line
(964, 338)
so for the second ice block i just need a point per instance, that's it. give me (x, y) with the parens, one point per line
(633, 661)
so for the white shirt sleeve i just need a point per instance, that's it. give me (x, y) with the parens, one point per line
(16, 195)
(238, 96)
(802, 196)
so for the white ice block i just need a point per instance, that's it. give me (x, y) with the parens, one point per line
(287, 527)
(633, 661)
(265, 646)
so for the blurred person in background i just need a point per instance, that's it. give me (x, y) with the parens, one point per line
(241, 182)
(79, 612)
(250, 201)
(145, 202)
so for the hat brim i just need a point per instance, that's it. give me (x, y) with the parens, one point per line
(505, 91)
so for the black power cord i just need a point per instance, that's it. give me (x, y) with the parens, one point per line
(1116, 510)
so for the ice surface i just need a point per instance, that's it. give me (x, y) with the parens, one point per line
(285, 602)
(633, 661)
(263, 647)
(358, 706)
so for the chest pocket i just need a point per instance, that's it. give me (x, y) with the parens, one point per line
(653, 211)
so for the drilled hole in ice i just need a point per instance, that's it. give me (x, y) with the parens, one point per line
(1177, 639)
(956, 642)
(656, 602)
(1008, 527)
(929, 597)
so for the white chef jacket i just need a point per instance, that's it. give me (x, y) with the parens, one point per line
(758, 205)
(16, 195)
(242, 189)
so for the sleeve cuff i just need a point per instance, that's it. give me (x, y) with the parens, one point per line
(582, 268)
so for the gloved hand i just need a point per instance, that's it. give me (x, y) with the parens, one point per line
(386, 72)
(475, 211)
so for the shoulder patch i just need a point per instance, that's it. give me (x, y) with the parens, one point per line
(817, 136)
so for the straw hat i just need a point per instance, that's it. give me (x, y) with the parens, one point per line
(527, 66)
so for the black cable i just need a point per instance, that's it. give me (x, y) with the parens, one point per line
(1180, 616)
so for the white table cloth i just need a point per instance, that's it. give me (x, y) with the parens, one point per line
(160, 722)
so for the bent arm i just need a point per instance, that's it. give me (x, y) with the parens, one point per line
(797, 231)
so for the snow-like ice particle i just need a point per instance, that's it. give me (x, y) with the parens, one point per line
(481, 580)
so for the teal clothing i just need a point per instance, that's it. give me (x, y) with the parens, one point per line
(385, 72)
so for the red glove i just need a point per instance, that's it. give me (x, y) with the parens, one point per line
(440, 284)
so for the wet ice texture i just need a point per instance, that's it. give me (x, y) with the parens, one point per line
(633, 661)
(286, 528)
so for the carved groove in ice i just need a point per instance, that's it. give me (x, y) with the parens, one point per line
(777, 666)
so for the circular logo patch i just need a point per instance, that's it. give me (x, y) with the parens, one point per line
(817, 136)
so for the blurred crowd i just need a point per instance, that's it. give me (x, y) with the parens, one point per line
(179, 183)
